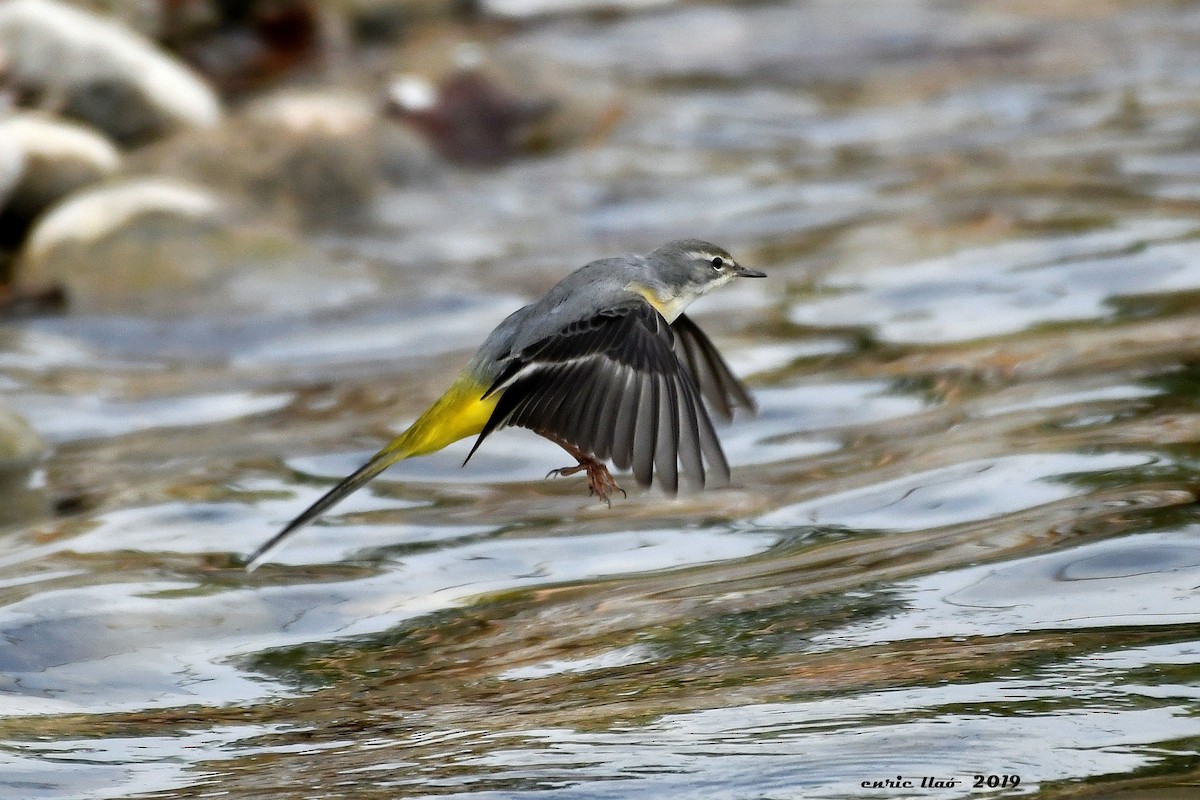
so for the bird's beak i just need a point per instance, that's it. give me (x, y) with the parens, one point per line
(742, 272)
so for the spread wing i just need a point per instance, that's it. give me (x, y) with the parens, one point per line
(716, 381)
(623, 385)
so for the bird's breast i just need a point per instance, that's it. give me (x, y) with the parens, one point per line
(669, 306)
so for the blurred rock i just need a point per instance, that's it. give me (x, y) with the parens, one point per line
(109, 246)
(159, 248)
(330, 114)
(41, 161)
(313, 158)
(21, 451)
(12, 165)
(377, 21)
(241, 46)
(382, 21)
(96, 213)
(65, 59)
(469, 118)
(31, 302)
(19, 443)
(325, 167)
(7, 96)
(144, 17)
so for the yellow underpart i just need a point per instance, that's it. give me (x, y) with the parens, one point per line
(462, 411)
(670, 307)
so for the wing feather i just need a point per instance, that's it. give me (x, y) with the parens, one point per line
(602, 436)
(644, 434)
(716, 381)
(666, 449)
(626, 385)
(718, 467)
(689, 437)
(626, 424)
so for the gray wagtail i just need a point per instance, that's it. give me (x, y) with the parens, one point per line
(605, 364)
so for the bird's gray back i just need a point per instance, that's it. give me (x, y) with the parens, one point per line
(579, 296)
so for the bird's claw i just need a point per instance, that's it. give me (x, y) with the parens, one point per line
(600, 481)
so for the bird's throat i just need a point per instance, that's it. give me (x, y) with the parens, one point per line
(669, 306)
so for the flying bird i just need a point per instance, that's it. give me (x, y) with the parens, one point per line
(606, 365)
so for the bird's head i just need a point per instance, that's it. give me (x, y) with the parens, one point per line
(685, 269)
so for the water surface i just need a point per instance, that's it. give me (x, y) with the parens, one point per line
(962, 535)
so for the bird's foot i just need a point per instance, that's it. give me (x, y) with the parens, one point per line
(600, 481)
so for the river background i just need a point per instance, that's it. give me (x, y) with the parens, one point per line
(962, 541)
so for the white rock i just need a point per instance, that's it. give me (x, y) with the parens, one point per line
(39, 136)
(43, 159)
(315, 114)
(95, 213)
(63, 52)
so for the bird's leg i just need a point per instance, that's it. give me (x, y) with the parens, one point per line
(600, 481)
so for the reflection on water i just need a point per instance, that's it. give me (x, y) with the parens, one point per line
(59, 418)
(1145, 579)
(964, 492)
(127, 645)
(769, 749)
(117, 766)
(961, 535)
(968, 295)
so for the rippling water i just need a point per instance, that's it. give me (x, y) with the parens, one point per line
(962, 539)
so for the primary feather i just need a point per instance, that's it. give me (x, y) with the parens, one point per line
(625, 384)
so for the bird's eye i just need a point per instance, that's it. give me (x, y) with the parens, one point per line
(717, 262)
